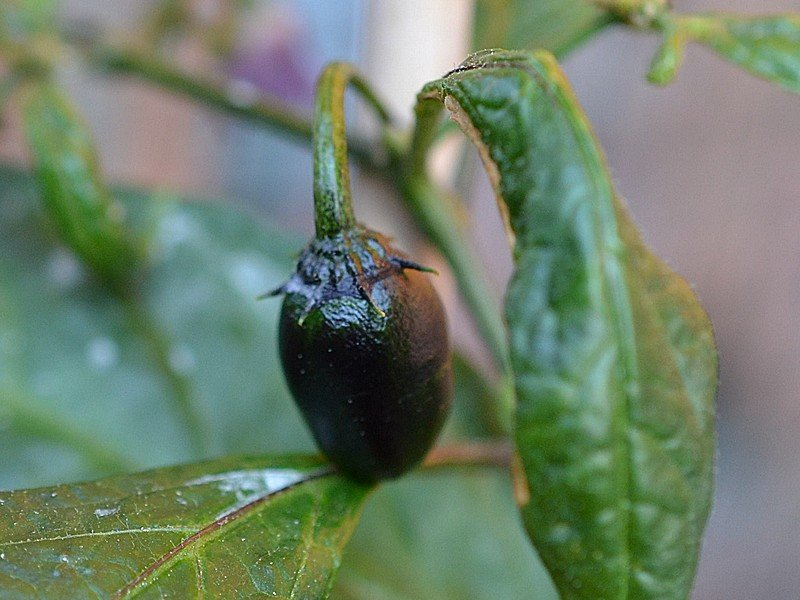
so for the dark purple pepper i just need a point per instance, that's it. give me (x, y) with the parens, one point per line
(364, 347)
(363, 335)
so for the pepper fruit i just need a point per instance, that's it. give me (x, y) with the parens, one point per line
(362, 336)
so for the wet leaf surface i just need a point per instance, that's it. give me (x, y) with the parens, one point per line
(240, 527)
(613, 357)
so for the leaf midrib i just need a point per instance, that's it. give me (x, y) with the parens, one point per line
(618, 299)
(211, 530)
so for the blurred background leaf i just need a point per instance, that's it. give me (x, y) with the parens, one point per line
(442, 536)
(555, 25)
(21, 19)
(78, 365)
(216, 25)
(768, 47)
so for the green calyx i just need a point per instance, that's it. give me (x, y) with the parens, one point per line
(349, 264)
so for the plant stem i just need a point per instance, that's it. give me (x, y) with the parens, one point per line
(232, 98)
(642, 14)
(333, 206)
(471, 454)
(26, 418)
(181, 394)
(437, 214)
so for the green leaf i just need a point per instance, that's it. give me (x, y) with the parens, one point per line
(229, 528)
(442, 536)
(555, 25)
(668, 59)
(20, 19)
(28, 38)
(92, 385)
(768, 47)
(613, 357)
(475, 414)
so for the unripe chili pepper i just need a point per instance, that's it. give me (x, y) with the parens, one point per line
(76, 198)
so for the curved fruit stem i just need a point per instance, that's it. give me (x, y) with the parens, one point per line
(333, 207)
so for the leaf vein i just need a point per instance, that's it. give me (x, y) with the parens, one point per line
(308, 540)
(201, 576)
(70, 536)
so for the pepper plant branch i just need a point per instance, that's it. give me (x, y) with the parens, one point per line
(763, 45)
(232, 98)
(643, 14)
(471, 454)
(657, 15)
(436, 212)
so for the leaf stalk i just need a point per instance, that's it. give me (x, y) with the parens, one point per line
(471, 454)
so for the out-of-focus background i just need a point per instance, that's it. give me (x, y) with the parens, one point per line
(707, 165)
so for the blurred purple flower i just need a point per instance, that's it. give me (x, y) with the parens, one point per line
(274, 57)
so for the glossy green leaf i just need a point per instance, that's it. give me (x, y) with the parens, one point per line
(555, 25)
(613, 357)
(231, 528)
(766, 46)
(187, 369)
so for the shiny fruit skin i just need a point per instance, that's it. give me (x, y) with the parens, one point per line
(365, 351)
